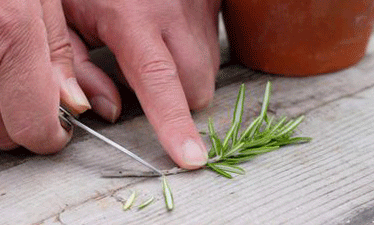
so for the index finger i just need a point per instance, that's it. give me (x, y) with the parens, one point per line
(152, 73)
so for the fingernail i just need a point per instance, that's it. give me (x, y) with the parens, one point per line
(193, 154)
(105, 108)
(76, 94)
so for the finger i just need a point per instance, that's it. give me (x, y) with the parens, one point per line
(61, 54)
(193, 42)
(197, 62)
(6, 142)
(29, 101)
(151, 72)
(98, 87)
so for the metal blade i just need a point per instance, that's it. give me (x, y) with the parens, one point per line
(74, 121)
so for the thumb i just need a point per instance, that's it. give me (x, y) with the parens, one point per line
(61, 54)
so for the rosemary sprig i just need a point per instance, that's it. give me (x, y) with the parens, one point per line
(264, 134)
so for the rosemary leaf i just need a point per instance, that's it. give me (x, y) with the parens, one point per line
(290, 141)
(278, 125)
(129, 201)
(211, 130)
(213, 167)
(146, 203)
(239, 159)
(265, 102)
(229, 168)
(211, 127)
(216, 143)
(169, 201)
(257, 142)
(229, 135)
(239, 106)
(268, 125)
(238, 112)
(233, 150)
(212, 152)
(292, 126)
(216, 149)
(257, 151)
(248, 133)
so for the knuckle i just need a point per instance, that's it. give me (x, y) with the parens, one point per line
(160, 79)
(61, 51)
(156, 76)
(175, 115)
(175, 119)
(161, 67)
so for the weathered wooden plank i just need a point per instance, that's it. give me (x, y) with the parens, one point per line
(319, 183)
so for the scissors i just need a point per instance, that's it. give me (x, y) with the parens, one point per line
(68, 120)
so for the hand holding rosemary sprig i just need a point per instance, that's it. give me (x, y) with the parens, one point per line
(263, 135)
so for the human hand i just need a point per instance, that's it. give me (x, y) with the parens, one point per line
(36, 70)
(168, 52)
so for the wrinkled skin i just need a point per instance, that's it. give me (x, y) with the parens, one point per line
(36, 71)
(168, 52)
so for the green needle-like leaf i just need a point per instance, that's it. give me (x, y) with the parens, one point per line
(216, 149)
(248, 133)
(229, 168)
(146, 203)
(257, 151)
(229, 135)
(279, 124)
(216, 144)
(239, 106)
(292, 126)
(265, 103)
(218, 170)
(239, 159)
(269, 124)
(290, 141)
(129, 201)
(257, 142)
(212, 152)
(233, 150)
(211, 127)
(169, 201)
(238, 112)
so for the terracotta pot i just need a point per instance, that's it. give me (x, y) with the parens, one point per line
(298, 37)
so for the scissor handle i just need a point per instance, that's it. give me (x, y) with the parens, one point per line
(64, 119)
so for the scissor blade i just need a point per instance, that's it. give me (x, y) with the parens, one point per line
(110, 142)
